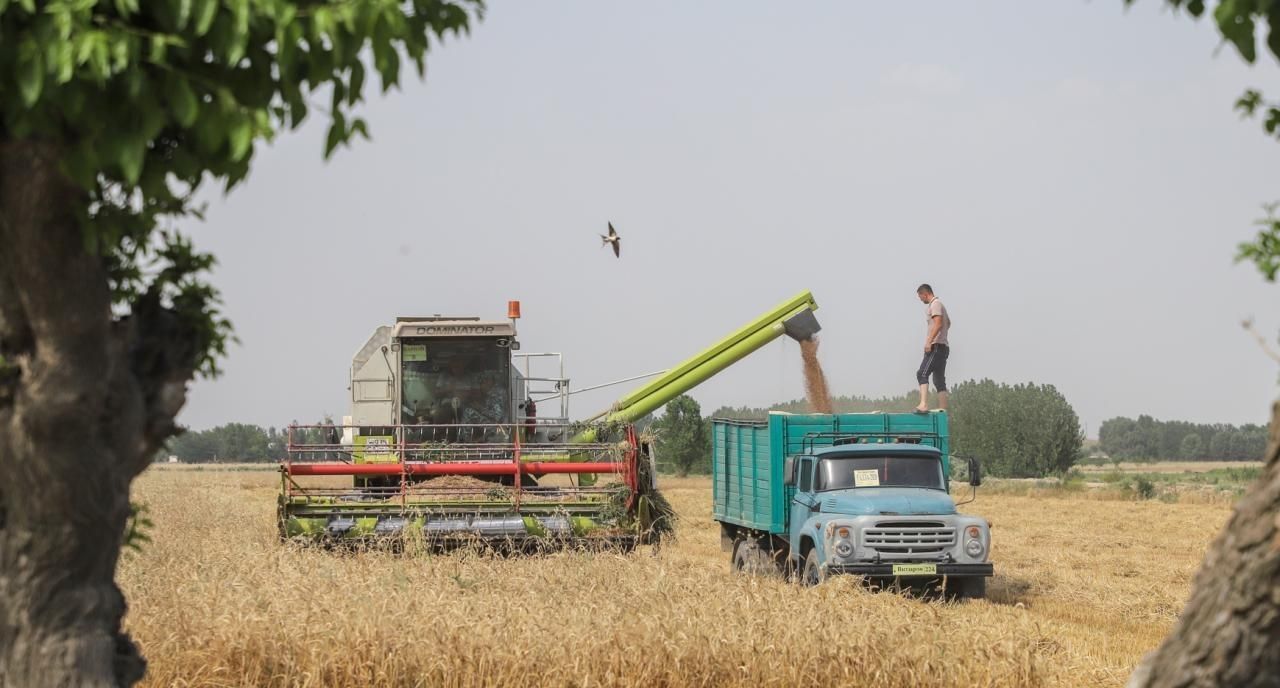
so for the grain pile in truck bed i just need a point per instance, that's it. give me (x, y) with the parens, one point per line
(470, 488)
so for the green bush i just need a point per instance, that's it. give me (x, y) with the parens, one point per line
(1112, 477)
(1143, 488)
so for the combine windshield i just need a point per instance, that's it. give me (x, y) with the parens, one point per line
(880, 470)
(453, 380)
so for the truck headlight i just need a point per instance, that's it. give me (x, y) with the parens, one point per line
(844, 549)
(973, 548)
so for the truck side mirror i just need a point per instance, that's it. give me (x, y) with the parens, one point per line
(789, 471)
(975, 473)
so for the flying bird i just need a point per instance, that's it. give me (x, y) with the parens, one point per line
(613, 239)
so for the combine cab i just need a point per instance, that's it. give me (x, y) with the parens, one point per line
(445, 445)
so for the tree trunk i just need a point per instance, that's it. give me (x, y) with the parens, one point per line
(1229, 632)
(85, 400)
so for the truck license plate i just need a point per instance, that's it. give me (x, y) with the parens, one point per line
(915, 569)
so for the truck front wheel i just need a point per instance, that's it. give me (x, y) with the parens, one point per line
(967, 588)
(812, 571)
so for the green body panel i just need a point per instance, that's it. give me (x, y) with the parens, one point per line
(315, 527)
(748, 458)
(310, 515)
(310, 519)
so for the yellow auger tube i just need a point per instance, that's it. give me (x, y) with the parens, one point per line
(714, 359)
(775, 316)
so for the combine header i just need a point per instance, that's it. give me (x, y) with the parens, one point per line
(445, 444)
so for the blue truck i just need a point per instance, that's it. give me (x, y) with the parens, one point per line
(812, 495)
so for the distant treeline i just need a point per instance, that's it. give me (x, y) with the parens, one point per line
(232, 442)
(1148, 439)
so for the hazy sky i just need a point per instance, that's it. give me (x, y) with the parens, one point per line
(1069, 176)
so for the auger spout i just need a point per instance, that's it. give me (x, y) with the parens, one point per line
(794, 318)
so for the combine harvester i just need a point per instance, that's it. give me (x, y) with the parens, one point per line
(444, 444)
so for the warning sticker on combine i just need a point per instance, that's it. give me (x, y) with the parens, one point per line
(414, 352)
(867, 478)
(376, 449)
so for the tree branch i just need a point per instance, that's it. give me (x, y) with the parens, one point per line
(163, 356)
(1262, 341)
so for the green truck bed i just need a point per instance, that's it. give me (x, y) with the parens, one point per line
(747, 457)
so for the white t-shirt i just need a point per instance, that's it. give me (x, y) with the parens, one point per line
(935, 308)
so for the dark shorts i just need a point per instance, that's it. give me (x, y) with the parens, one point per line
(935, 363)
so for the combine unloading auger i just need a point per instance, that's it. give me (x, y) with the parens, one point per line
(794, 318)
(496, 472)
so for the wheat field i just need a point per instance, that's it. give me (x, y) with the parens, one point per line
(1083, 589)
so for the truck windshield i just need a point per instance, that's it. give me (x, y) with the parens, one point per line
(455, 380)
(880, 470)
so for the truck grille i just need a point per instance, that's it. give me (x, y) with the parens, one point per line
(909, 538)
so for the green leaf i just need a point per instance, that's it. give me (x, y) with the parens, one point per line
(134, 82)
(132, 153)
(239, 30)
(241, 138)
(135, 535)
(359, 127)
(30, 71)
(356, 88)
(1273, 120)
(64, 62)
(1249, 102)
(81, 165)
(1273, 31)
(297, 113)
(184, 13)
(182, 101)
(339, 93)
(1235, 21)
(151, 116)
(156, 54)
(286, 14)
(210, 130)
(337, 134)
(219, 37)
(126, 8)
(203, 12)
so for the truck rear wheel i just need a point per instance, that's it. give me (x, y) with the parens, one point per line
(740, 556)
(753, 560)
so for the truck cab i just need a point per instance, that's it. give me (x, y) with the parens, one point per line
(816, 495)
(882, 510)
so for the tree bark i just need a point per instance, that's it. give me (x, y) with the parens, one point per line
(1229, 632)
(85, 400)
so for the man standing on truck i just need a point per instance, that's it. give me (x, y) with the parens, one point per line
(936, 349)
